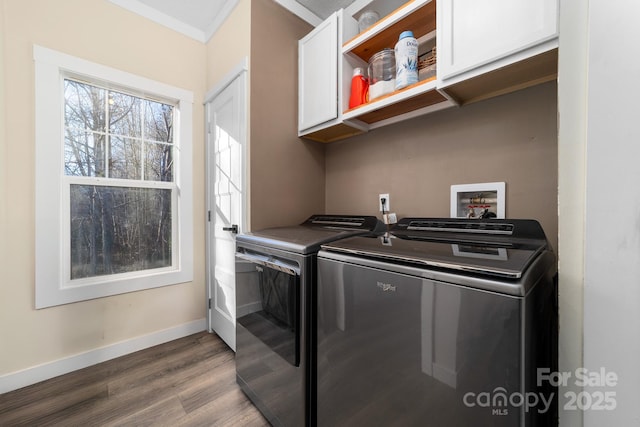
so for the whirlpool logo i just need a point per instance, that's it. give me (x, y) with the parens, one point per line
(386, 287)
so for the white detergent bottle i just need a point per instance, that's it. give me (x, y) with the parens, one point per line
(406, 53)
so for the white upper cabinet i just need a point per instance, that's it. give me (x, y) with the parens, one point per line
(484, 48)
(492, 33)
(324, 81)
(318, 75)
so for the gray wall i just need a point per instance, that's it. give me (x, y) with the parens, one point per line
(287, 177)
(512, 138)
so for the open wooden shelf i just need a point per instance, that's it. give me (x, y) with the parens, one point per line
(419, 16)
(334, 133)
(416, 15)
(414, 97)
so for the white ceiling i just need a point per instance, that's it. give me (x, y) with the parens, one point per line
(324, 8)
(200, 19)
(197, 13)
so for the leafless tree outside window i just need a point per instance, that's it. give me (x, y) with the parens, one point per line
(114, 135)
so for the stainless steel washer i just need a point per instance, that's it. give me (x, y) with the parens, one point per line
(442, 322)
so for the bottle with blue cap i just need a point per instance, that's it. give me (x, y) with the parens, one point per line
(406, 52)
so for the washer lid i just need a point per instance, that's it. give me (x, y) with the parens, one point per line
(307, 237)
(503, 261)
(503, 248)
(298, 238)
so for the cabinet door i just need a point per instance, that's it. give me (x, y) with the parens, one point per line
(472, 33)
(318, 75)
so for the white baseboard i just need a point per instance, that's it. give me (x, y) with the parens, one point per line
(35, 374)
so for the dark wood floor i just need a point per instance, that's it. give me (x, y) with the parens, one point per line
(186, 382)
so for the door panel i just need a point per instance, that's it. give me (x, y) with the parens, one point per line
(226, 141)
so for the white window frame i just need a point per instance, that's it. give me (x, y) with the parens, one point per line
(52, 286)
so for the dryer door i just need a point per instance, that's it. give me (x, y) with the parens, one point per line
(273, 316)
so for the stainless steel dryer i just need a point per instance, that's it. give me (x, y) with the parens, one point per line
(275, 276)
(440, 323)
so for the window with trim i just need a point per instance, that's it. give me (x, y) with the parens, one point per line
(113, 178)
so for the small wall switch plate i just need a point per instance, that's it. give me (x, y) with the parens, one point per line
(387, 204)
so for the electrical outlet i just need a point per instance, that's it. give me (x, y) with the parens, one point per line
(384, 207)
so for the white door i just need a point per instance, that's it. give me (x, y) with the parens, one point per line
(226, 142)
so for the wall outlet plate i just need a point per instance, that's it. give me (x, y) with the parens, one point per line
(387, 205)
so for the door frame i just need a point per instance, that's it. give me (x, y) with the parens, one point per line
(240, 71)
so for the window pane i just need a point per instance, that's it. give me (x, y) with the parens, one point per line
(158, 122)
(84, 114)
(124, 158)
(158, 164)
(118, 230)
(125, 115)
(84, 106)
(138, 139)
(83, 153)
